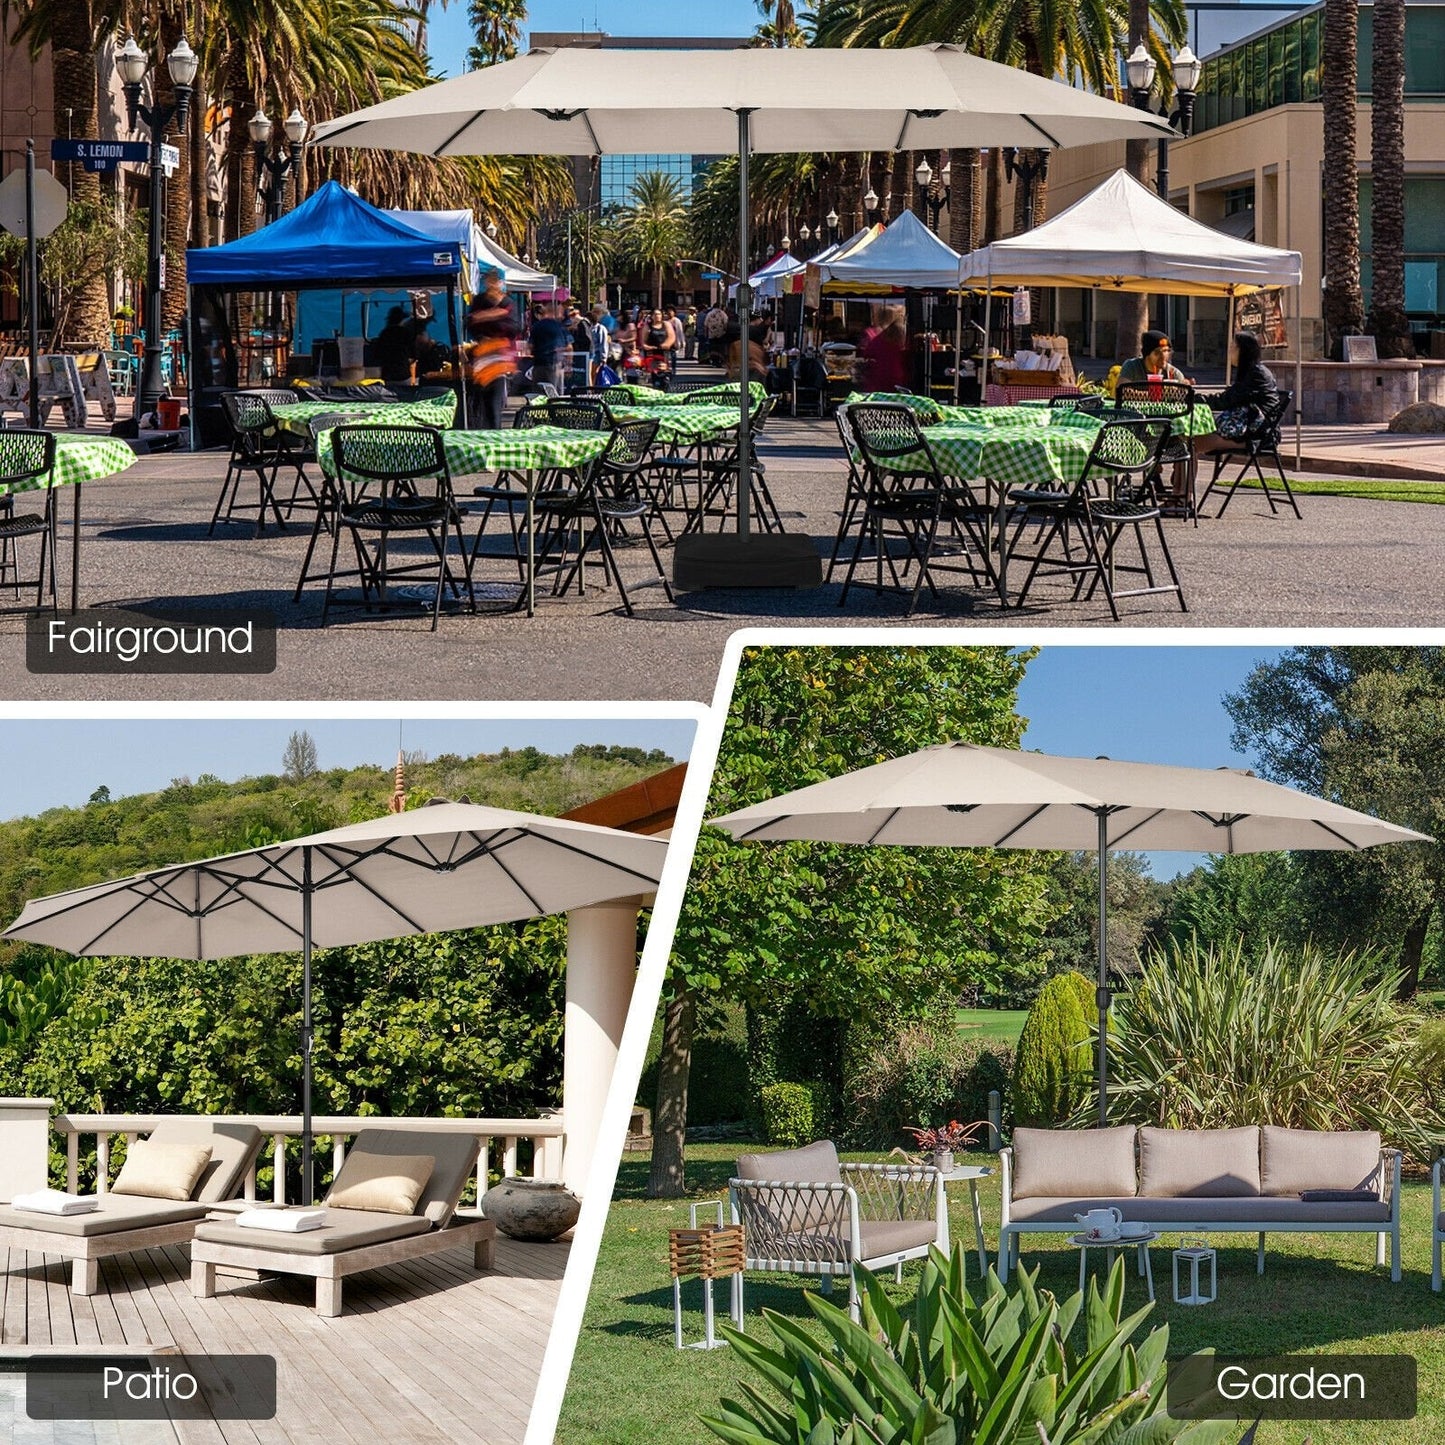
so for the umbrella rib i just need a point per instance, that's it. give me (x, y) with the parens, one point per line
(369, 888)
(1019, 826)
(517, 883)
(582, 853)
(141, 900)
(1030, 121)
(892, 814)
(749, 833)
(1348, 842)
(1142, 823)
(441, 150)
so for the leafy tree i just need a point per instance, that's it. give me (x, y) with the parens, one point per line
(497, 26)
(100, 795)
(846, 932)
(1247, 898)
(298, 761)
(1364, 726)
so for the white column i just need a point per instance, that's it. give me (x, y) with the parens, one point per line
(601, 969)
(24, 1146)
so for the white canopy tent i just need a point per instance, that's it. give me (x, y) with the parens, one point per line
(904, 253)
(1124, 237)
(584, 101)
(516, 274)
(772, 280)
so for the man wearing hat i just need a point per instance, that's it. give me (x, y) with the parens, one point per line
(1155, 361)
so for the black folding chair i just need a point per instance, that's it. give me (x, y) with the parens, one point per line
(1261, 441)
(328, 494)
(715, 498)
(27, 457)
(1174, 401)
(393, 481)
(1123, 458)
(855, 486)
(1089, 405)
(612, 494)
(907, 495)
(257, 448)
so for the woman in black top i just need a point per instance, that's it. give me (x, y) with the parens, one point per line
(1253, 391)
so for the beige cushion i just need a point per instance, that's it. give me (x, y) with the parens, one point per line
(1296, 1159)
(117, 1213)
(793, 1211)
(385, 1183)
(342, 1231)
(1074, 1163)
(454, 1157)
(813, 1164)
(1198, 1163)
(1171, 1214)
(233, 1147)
(161, 1171)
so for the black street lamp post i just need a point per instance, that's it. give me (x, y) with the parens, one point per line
(935, 191)
(272, 171)
(182, 63)
(1142, 70)
(1028, 170)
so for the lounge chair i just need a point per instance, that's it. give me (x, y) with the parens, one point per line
(123, 1223)
(355, 1239)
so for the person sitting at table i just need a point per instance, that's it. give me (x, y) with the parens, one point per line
(886, 353)
(1155, 360)
(757, 354)
(1242, 403)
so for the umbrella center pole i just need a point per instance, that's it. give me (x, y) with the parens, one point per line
(307, 1037)
(1104, 996)
(745, 313)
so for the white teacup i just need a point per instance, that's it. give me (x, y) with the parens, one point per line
(1133, 1228)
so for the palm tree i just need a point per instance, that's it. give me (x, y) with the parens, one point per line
(653, 229)
(71, 29)
(1344, 311)
(497, 25)
(1387, 181)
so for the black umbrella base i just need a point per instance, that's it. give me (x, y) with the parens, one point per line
(765, 559)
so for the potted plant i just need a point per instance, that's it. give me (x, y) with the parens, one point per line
(938, 1141)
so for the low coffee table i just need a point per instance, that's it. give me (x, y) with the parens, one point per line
(972, 1173)
(1141, 1242)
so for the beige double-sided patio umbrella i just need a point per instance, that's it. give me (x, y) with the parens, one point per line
(962, 795)
(584, 101)
(439, 867)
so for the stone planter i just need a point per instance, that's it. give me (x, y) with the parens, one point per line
(532, 1209)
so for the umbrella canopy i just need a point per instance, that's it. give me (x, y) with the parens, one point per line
(440, 867)
(1124, 237)
(962, 795)
(581, 101)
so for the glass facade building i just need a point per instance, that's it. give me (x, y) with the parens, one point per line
(617, 174)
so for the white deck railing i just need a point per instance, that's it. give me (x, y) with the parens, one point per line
(500, 1138)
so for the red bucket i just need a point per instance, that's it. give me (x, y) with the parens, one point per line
(168, 409)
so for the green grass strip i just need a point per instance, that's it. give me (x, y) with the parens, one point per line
(1363, 487)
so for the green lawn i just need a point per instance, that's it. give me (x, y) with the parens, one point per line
(1001, 1026)
(1319, 1293)
(1370, 490)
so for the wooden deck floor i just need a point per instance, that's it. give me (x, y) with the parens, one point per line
(425, 1352)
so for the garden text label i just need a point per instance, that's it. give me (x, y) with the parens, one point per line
(1293, 1387)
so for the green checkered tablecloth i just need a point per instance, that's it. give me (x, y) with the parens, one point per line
(1200, 422)
(682, 424)
(439, 411)
(80, 459)
(725, 391)
(1017, 456)
(1005, 416)
(532, 449)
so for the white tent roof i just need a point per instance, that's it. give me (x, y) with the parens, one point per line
(905, 253)
(768, 280)
(516, 274)
(1123, 237)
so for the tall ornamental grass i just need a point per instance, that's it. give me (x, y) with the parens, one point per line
(1208, 1038)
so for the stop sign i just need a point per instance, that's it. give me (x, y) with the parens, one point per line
(51, 200)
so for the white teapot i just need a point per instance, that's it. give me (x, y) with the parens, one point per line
(1100, 1221)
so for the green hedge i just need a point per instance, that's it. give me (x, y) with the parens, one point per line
(1051, 1069)
(794, 1114)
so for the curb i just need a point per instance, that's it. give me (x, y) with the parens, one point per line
(1363, 467)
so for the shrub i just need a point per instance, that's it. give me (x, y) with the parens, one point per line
(1210, 1038)
(1051, 1066)
(924, 1076)
(1005, 1368)
(794, 1114)
(718, 1089)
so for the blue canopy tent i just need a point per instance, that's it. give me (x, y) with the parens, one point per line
(332, 239)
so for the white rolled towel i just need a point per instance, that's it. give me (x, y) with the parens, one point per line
(282, 1221)
(56, 1201)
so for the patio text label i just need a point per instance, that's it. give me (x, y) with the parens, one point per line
(111, 641)
(162, 1387)
(1293, 1387)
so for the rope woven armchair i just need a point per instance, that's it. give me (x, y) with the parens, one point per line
(803, 1212)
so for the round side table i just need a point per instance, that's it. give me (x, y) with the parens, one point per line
(1139, 1242)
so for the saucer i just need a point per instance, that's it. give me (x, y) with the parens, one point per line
(1134, 1231)
(1113, 1237)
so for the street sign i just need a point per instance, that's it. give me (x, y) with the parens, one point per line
(51, 201)
(170, 159)
(100, 155)
(712, 275)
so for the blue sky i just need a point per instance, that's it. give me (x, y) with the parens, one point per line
(60, 763)
(1138, 704)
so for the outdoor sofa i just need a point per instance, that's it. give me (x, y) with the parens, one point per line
(403, 1223)
(127, 1221)
(803, 1212)
(1221, 1181)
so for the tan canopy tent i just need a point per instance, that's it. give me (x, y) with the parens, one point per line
(1124, 237)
